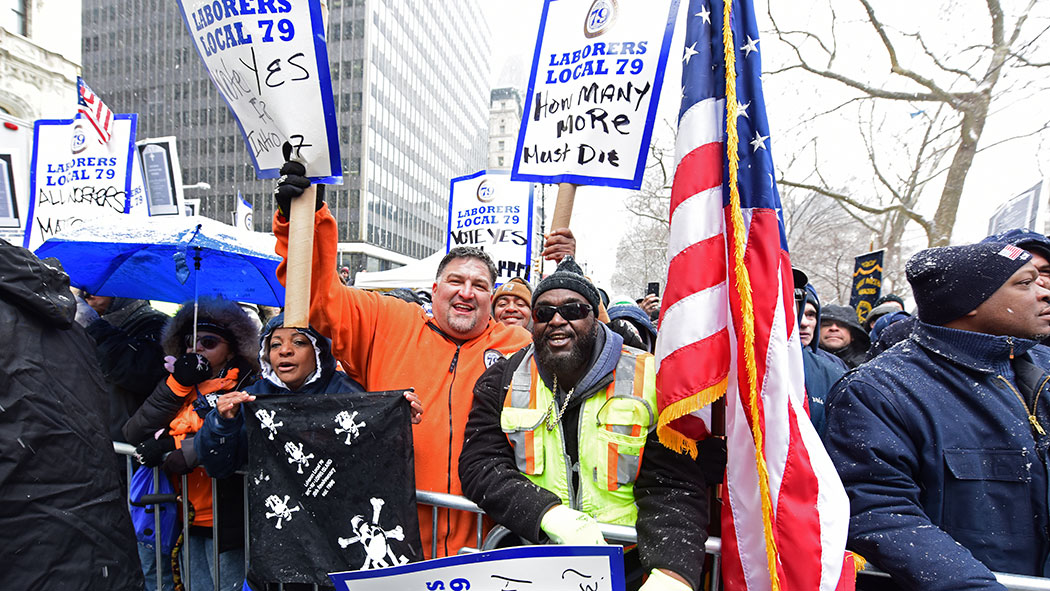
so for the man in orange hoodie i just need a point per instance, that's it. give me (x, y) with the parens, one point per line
(389, 344)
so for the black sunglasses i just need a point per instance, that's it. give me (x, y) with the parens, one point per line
(574, 311)
(209, 342)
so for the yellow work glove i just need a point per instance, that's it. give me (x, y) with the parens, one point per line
(658, 581)
(570, 527)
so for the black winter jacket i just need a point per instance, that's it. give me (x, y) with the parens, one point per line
(670, 490)
(127, 344)
(64, 521)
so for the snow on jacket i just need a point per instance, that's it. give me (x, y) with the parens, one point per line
(64, 518)
(947, 477)
(670, 491)
(222, 444)
(387, 344)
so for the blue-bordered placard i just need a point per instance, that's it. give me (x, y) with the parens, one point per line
(488, 210)
(597, 71)
(269, 61)
(546, 568)
(74, 178)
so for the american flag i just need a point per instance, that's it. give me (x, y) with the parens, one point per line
(784, 511)
(95, 111)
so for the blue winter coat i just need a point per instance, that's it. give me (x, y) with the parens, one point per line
(934, 446)
(822, 369)
(222, 444)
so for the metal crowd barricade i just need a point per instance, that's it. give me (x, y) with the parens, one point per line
(617, 533)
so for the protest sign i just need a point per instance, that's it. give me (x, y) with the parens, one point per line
(593, 93)
(867, 283)
(539, 568)
(1026, 211)
(489, 211)
(331, 485)
(269, 61)
(162, 175)
(74, 178)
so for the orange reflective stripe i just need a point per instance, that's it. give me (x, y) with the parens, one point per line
(535, 377)
(639, 388)
(612, 463)
(530, 452)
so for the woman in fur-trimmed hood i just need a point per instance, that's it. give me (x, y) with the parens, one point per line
(221, 357)
(219, 312)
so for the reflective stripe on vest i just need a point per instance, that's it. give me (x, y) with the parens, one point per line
(614, 424)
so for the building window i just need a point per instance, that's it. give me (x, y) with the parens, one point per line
(14, 16)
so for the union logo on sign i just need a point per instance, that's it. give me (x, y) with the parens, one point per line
(485, 192)
(78, 143)
(600, 17)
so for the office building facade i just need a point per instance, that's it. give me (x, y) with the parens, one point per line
(410, 87)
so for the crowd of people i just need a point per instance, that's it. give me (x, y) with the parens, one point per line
(536, 401)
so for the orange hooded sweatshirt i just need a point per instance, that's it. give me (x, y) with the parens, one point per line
(388, 344)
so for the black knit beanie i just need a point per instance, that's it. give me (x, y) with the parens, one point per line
(569, 275)
(950, 281)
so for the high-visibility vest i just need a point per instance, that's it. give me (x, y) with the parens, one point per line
(613, 425)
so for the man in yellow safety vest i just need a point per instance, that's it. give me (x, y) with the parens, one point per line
(562, 436)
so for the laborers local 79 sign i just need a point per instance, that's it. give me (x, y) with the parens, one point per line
(593, 92)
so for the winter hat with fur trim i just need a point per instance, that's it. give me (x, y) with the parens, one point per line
(950, 281)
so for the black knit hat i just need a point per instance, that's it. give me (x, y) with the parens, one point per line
(569, 275)
(951, 281)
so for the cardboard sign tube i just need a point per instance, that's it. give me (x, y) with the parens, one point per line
(300, 259)
(563, 206)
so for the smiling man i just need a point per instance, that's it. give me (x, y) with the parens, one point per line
(941, 441)
(512, 303)
(555, 441)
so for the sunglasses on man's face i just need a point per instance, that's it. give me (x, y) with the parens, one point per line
(208, 342)
(574, 311)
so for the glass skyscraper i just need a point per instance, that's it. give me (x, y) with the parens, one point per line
(411, 92)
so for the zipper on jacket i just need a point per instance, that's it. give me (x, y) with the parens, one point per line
(1010, 340)
(1032, 420)
(448, 459)
(574, 502)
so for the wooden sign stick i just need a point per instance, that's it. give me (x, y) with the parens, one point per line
(300, 259)
(563, 206)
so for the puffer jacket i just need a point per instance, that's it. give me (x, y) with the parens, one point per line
(63, 515)
(946, 473)
(222, 444)
(178, 409)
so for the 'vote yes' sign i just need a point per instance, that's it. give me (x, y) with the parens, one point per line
(593, 92)
(269, 60)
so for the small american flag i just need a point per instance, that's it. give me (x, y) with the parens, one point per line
(728, 327)
(95, 111)
(1011, 252)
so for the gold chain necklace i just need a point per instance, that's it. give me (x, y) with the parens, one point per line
(551, 424)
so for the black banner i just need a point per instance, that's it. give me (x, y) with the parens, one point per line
(331, 485)
(867, 283)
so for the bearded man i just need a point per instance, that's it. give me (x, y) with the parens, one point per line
(554, 442)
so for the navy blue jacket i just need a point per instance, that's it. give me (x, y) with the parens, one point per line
(822, 369)
(222, 444)
(933, 442)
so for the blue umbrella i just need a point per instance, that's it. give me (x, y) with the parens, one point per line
(169, 258)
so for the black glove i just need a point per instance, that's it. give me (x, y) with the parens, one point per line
(150, 453)
(711, 457)
(191, 369)
(292, 183)
(175, 463)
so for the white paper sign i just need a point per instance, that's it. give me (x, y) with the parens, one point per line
(489, 211)
(269, 61)
(74, 178)
(594, 90)
(528, 568)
